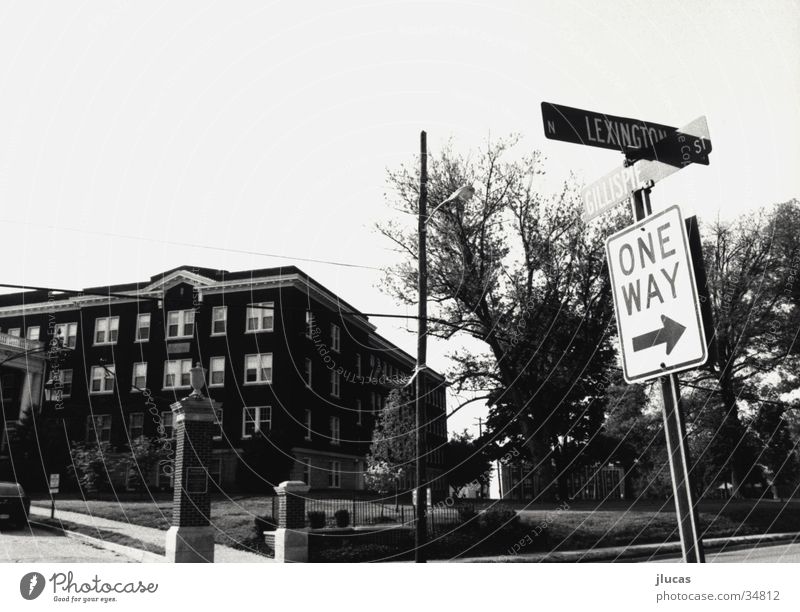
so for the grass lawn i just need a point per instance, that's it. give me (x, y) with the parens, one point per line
(582, 525)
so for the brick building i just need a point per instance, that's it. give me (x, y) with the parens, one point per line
(291, 364)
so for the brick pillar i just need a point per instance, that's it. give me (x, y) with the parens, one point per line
(291, 536)
(190, 539)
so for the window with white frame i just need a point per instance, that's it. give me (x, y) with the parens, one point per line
(336, 383)
(308, 372)
(167, 423)
(260, 318)
(306, 461)
(136, 425)
(308, 424)
(68, 332)
(33, 332)
(334, 474)
(106, 330)
(14, 331)
(255, 419)
(309, 324)
(258, 369)
(139, 377)
(358, 411)
(219, 320)
(218, 422)
(102, 379)
(336, 337)
(180, 323)
(216, 372)
(335, 430)
(98, 427)
(142, 327)
(177, 373)
(63, 384)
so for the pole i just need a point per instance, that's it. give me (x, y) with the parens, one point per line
(675, 431)
(421, 532)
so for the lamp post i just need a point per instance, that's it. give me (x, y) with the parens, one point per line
(462, 194)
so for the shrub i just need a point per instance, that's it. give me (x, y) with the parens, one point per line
(316, 519)
(264, 523)
(342, 517)
(360, 553)
(499, 517)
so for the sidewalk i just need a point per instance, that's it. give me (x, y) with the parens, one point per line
(149, 537)
(637, 553)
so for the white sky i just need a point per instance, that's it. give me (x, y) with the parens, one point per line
(268, 127)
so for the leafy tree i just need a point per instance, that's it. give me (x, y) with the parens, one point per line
(89, 465)
(393, 449)
(749, 264)
(466, 463)
(520, 273)
(145, 456)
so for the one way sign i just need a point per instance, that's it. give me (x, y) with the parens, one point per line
(655, 297)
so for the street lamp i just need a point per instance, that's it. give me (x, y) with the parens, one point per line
(461, 195)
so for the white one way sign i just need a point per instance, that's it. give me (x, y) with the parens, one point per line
(655, 297)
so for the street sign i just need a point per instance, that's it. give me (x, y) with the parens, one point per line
(600, 130)
(690, 144)
(55, 481)
(655, 297)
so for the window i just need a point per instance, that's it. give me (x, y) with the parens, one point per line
(167, 424)
(336, 338)
(219, 320)
(139, 378)
(335, 430)
(142, 327)
(63, 385)
(176, 373)
(218, 421)
(180, 324)
(336, 383)
(33, 332)
(334, 474)
(106, 330)
(358, 365)
(102, 379)
(258, 369)
(14, 331)
(136, 425)
(217, 372)
(98, 427)
(358, 411)
(260, 318)
(68, 332)
(308, 424)
(255, 419)
(306, 470)
(309, 324)
(308, 372)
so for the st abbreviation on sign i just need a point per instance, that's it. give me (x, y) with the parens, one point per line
(655, 297)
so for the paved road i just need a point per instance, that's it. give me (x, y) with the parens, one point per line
(30, 545)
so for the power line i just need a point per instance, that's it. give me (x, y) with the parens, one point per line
(193, 245)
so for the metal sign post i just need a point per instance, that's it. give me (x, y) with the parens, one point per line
(675, 431)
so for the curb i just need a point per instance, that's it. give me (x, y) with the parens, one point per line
(134, 554)
(634, 553)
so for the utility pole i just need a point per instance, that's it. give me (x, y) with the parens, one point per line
(421, 532)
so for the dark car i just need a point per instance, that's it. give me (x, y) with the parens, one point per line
(14, 504)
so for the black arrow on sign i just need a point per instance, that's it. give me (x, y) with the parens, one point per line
(670, 332)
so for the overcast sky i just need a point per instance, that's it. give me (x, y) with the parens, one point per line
(127, 127)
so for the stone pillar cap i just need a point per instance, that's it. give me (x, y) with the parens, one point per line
(292, 486)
